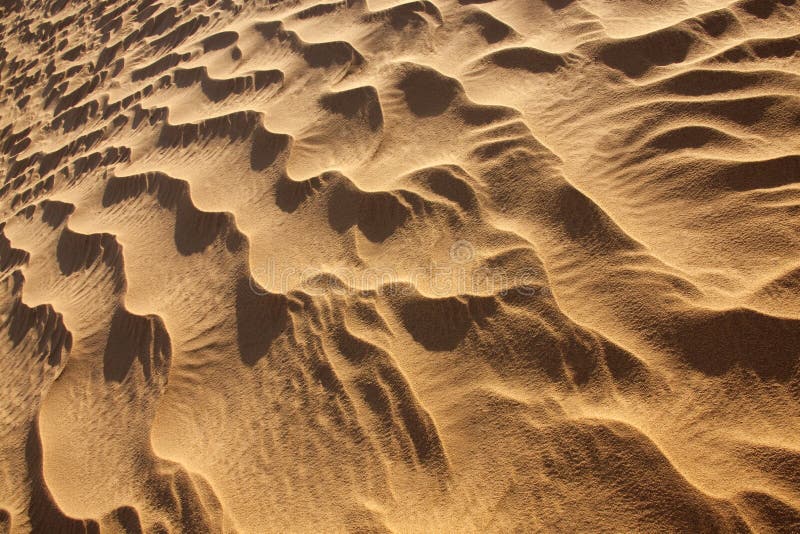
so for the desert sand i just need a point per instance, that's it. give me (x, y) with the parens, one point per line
(373, 266)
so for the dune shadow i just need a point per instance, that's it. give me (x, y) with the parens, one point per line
(261, 317)
(744, 176)
(55, 213)
(54, 340)
(127, 519)
(763, 9)
(719, 341)
(427, 92)
(220, 40)
(773, 513)
(377, 215)
(686, 137)
(266, 148)
(637, 55)
(413, 14)
(324, 55)
(492, 29)
(290, 194)
(529, 59)
(195, 230)
(359, 103)
(134, 337)
(586, 222)
(441, 324)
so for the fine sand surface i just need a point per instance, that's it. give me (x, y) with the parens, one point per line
(373, 266)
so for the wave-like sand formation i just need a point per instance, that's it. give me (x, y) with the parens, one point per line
(451, 265)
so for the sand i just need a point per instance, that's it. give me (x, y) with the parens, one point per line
(372, 266)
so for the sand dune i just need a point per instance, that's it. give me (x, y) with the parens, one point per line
(374, 266)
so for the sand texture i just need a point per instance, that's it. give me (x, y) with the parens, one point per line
(370, 266)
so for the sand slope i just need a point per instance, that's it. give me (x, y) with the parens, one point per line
(436, 266)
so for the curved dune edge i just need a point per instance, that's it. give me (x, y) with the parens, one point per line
(427, 266)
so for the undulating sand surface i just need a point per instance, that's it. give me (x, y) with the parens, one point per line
(373, 266)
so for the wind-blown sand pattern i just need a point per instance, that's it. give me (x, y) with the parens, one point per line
(436, 266)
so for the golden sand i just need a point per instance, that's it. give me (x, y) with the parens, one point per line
(368, 266)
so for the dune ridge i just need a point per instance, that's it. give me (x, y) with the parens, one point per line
(372, 266)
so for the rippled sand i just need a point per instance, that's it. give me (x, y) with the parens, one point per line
(438, 266)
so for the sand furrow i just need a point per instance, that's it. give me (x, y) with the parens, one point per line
(449, 265)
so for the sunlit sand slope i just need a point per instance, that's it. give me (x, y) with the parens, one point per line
(369, 266)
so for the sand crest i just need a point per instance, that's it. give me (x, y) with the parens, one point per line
(436, 266)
